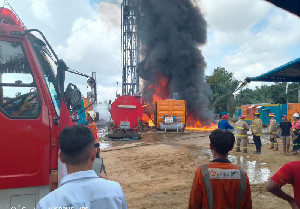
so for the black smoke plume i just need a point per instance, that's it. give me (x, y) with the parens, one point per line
(171, 32)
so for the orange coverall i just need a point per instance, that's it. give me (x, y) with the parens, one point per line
(93, 127)
(225, 183)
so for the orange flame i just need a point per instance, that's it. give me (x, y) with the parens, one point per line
(150, 123)
(147, 120)
(160, 90)
(196, 125)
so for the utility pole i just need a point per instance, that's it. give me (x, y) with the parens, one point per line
(130, 46)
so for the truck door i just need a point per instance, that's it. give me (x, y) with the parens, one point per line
(24, 120)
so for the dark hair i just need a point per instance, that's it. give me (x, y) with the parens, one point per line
(76, 144)
(222, 141)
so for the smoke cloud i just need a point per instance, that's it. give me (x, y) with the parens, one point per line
(171, 32)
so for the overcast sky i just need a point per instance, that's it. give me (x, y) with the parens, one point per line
(247, 37)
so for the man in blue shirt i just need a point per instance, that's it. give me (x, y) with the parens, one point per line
(224, 124)
(82, 187)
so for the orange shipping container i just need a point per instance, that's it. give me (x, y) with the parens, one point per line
(170, 107)
(247, 111)
(291, 109)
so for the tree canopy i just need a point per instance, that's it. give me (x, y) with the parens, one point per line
(223, 85)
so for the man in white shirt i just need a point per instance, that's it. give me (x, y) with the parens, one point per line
(82, 187)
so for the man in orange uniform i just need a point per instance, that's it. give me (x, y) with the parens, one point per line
(90, 118)
(220, 184)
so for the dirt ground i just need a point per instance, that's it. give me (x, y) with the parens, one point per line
(157, 171)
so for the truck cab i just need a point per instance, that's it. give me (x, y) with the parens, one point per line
(31, 86)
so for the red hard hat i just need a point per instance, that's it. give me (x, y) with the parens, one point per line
(224, 117)
(242, 117)
(271, 115)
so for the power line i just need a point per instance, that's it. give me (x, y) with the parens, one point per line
(234, 42)
(16, 14)
(75, 30)
(98, 49)
(28, 5)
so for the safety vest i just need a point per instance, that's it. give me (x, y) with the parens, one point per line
(216, 173)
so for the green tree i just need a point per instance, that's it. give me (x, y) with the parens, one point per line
(223, 85)
(255, 96)
(292, 95)
(275, 93)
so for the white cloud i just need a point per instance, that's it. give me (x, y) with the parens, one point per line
(249, 37)
(41, 11)
(96, 48)
(87, 38)
(233, 15)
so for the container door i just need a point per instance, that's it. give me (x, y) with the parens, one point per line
(24, 121)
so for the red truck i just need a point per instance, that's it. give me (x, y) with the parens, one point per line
(31, 91)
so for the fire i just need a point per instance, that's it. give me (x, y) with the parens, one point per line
(160, 89)
(150, 123)
(147, 120)
(196, 125)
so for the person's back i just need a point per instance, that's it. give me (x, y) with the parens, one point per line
(225, 183)
(241, 128)
(220, 184)
(224, 124)
(257, 127)
(82, 187)
(273, 126)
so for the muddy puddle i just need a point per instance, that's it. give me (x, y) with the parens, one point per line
(257, 172)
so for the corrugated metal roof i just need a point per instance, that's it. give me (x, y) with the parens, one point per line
(289, 72)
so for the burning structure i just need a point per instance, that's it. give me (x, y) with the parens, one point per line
(171, 32)
(166, 36)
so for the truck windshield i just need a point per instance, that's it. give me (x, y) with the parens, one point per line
(19, 97)
(48, 68)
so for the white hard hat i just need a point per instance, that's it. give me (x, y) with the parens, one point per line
(92, 114)
(296, 115)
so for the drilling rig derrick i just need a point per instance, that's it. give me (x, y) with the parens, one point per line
(130, 47)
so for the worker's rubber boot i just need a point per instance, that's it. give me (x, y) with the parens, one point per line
(256, 152)
(245, 150)
(237, 149)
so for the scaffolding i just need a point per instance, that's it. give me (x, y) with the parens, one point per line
(130, 47)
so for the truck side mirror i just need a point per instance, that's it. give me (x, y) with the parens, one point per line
(73, 96)
(61, 68)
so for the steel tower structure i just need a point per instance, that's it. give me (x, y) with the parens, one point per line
(130, 46)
